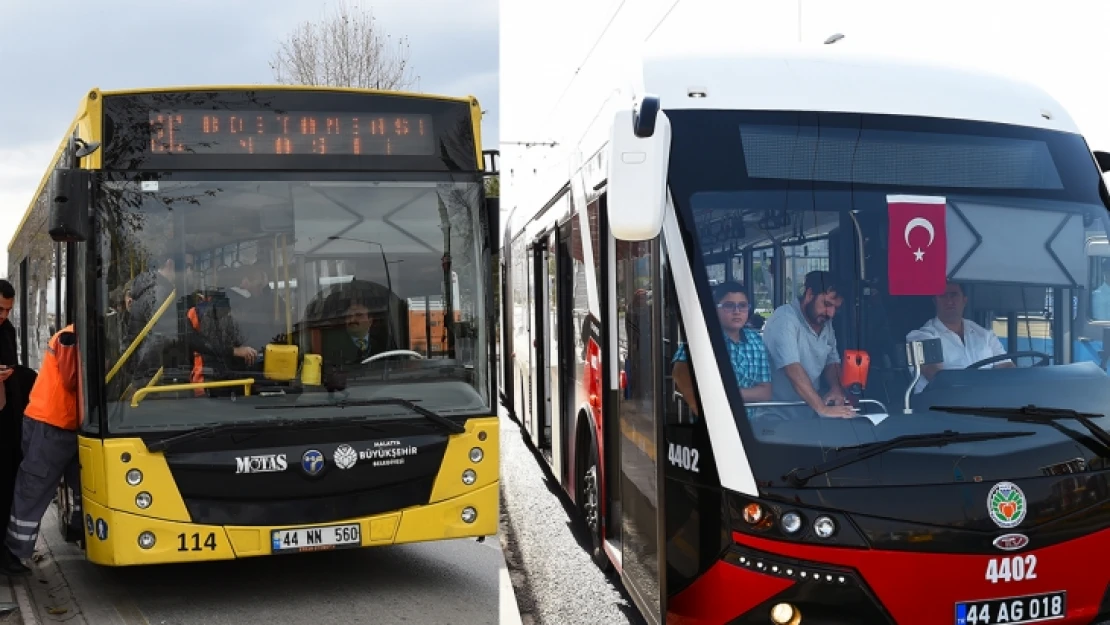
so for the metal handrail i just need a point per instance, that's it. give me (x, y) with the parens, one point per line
(142, 335)
(170, 388)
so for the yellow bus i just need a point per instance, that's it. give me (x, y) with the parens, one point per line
(238, 263)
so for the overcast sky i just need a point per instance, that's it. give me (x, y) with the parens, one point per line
(557, 58)
(54, 51)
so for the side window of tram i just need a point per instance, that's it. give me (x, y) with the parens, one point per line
(682, 403)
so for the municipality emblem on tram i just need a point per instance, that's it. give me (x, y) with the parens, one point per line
(1006, 505)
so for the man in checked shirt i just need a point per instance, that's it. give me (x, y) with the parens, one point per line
(745, 347)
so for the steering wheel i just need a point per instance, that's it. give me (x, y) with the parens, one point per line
(1042, 362)
(393, 352)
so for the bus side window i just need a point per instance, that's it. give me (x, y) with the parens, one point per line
(677, 403)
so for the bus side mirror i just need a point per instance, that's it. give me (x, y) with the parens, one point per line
(493, 221)
(640, 149)
(69, 205)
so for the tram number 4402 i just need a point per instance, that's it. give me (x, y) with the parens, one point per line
(683, 457)
(192, 542)
(1012, 569)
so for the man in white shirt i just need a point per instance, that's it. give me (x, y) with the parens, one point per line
(963, 341)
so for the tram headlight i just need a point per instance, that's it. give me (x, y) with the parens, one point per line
(134, 477)
(146, 540)
(785, 614)
(469, 477)
(824, 527)
(476, 454)
(469, 514)
(143, 500)
(791, 522)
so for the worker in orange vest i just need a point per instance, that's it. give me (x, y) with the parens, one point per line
(49, 449)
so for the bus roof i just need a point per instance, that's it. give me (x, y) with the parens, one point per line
(832, 78)
(83, 108)
(187, 88)
(827, 78)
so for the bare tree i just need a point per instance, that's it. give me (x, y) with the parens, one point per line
(344, 49)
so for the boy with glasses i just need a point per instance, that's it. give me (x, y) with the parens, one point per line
(746, 351)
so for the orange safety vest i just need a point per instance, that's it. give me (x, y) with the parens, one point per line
(197, 375)
(54, 397)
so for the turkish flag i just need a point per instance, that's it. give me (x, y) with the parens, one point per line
(917, 252)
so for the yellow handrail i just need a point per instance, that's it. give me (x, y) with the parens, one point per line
(157, 377)
(169, 388)
(288, 319)
(142, 335)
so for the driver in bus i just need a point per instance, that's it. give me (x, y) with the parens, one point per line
(746, 351)
(802, 346)
(962, 340)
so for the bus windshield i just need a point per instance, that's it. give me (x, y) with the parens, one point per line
(823, 244)
(263, 292)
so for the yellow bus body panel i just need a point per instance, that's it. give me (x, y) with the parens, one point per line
(114, 522)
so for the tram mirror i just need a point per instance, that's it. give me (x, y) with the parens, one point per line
(639, 148)
(69, 205)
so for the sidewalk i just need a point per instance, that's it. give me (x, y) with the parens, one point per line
(14, 602)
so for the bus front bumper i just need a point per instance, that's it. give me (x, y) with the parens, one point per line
(115, 538)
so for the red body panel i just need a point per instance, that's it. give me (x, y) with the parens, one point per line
(915, 588)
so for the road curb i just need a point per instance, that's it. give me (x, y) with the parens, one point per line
(23, 599)
(509, 613)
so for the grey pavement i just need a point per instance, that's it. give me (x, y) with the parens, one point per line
(555, 580)
(444, 582)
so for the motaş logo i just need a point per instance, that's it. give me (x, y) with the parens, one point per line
(272, 463)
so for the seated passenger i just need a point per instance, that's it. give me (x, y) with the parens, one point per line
(962, 340)
(351, 346)
(802, 348)
(1100, 297)
(746, 351)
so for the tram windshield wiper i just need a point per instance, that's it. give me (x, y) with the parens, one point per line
(798, 477)
(448, 424)
(1041, 414)
(219, 428)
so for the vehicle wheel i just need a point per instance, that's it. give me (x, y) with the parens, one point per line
(590, 506)
(70, 533)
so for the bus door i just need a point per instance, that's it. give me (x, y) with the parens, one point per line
(563, 297)
(634, 512)
(536, 307)
(546, 259)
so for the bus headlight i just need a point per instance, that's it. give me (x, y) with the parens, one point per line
(143, 500)
(146, 540)
(469, 477)
(824, 527)
(134, 477)
(469, 514)
(791, 522)
(476, 455)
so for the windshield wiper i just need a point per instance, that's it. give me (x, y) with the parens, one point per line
(450, 425)
(1040, 414)
(201, 432)
(797, 477)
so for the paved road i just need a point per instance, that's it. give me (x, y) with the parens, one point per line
(450, 582)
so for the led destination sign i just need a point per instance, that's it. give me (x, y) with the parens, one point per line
(296, 133)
